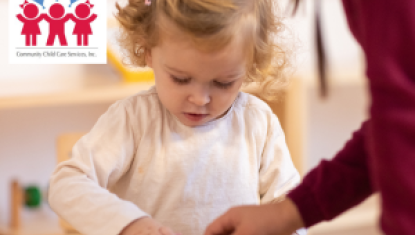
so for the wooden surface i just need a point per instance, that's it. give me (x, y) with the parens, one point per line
(294, 127)
(98, 94)
(64, 144)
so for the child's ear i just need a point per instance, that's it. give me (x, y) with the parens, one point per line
(148, 58)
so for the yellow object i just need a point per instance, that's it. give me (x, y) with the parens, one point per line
(114, 57)
(129, 75)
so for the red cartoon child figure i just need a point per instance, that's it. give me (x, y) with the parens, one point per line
(57, 22)
(30, 21)
(83, 22)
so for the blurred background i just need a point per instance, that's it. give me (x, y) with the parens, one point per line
(39, 103)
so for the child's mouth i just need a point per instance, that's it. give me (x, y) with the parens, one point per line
(195, 117)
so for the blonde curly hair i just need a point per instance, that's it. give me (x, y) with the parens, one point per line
(212, 24)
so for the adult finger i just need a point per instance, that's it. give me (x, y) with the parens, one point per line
(166, 231)
(224, 224)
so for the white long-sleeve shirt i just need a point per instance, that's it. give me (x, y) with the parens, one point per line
(139, 160)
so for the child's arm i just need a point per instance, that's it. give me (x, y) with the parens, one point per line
(69, 16)
(41, 17)
(21, 18)
(79, 187)
(45, 17)
(92, 18)
(277, 175)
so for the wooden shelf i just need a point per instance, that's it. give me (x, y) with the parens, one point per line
(336, 79)
(99, 94)
(120, 90)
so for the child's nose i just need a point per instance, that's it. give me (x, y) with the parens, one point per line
(200, 96)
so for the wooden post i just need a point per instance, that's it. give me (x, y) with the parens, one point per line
(16, 205)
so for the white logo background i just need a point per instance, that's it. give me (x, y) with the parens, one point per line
(94, 53)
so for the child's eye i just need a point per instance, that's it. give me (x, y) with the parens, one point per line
(180, 80)
(223, 85)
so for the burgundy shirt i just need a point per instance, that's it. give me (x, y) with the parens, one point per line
(381, 155)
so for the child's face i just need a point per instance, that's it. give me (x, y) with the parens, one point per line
(195, 86)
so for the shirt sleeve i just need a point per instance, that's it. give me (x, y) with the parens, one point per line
(79, 187)
(277, 174)
(336, 185)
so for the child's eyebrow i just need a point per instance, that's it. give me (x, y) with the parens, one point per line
(233, 75)
(175, 70)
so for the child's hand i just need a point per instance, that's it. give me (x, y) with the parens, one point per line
(146, 226)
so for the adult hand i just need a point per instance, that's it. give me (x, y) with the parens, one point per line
(281, 218)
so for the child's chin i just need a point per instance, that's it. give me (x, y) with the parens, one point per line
(190, 123)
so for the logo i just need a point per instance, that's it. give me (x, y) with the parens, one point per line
(57, 32)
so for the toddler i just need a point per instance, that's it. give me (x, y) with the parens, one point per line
(171, 159)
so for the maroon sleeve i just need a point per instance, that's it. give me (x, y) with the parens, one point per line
(336, 185)
(386, 32)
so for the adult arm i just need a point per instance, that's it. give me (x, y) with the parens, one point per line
(336, 185)
(386, 31)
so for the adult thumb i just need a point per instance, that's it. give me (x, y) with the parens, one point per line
(167, 231)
